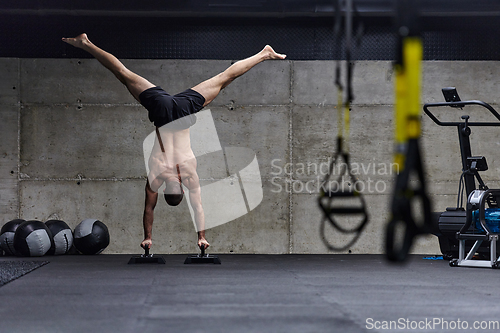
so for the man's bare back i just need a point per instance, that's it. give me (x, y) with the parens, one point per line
(177, 154)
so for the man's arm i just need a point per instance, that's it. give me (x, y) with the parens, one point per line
(148, 217)
(193, 184)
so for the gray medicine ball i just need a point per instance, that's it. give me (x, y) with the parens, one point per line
(32, 239)
(62, 235)
(91, 236)
(7, 236)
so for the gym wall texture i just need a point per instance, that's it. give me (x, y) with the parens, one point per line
(71, 135)
(71, 146)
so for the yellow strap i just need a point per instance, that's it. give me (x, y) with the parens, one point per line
(407, 93)
(412, 56)
(343, 120)
(347, 127)
(400, 110)
(340, 133)
(400, 115)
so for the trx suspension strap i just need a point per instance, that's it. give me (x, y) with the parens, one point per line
(339, 197)
(408, 197)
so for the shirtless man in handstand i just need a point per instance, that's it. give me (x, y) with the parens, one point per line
(164, 109)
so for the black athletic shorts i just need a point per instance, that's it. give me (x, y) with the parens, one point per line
(164, 109)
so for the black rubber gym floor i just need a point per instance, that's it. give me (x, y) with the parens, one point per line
(248, 293)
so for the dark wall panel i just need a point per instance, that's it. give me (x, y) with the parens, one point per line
(39, 36)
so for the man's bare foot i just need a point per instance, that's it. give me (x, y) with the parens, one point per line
(203, 241)
(270, 54)
(79, 41)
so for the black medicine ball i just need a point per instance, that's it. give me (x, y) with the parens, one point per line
(62, 235)
(7, 236)
(91, 236)
(32, 239)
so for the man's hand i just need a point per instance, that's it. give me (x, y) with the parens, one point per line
(146, 243)
(204, 242)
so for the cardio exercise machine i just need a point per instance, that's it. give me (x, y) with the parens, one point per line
(461, 237)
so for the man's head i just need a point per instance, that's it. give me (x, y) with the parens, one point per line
(173, 192)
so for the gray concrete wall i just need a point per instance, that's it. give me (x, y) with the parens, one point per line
(9, 144)
(71, 147)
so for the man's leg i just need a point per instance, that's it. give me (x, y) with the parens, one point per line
(211, 87)
(134, 83)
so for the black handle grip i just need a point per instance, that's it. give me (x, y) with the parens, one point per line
(347, 210)
(146, 250)
(341, 193)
